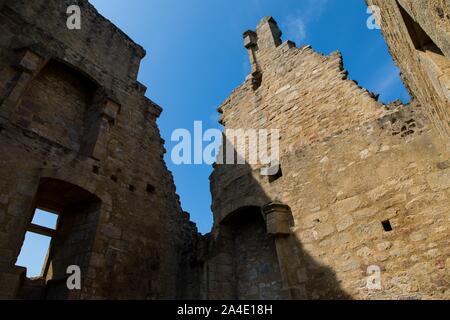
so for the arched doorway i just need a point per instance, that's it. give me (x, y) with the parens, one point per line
(256, 269)
(72, 239)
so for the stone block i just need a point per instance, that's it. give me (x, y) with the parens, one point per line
(344, 222)
(111, 109)
(10, 282)
(439, 180)
(111, 231)
(278, 219)
(347, 205)
(30, 61)
(312, 219)
(250, 39)
(323, 230)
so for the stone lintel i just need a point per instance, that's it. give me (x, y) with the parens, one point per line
(29, 61)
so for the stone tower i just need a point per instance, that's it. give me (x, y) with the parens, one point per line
(79, 138)
(362, 187)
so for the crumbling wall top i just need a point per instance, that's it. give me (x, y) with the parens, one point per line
(98, 39)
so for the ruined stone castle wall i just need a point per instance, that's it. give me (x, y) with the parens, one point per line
(363, 184)
(78, 135)
(418, 35)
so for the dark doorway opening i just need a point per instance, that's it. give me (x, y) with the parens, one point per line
(257, 274)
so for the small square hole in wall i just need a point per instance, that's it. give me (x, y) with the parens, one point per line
(114, 178)
(131, 188)
(150, 188)
(95, 169)
(387, 225)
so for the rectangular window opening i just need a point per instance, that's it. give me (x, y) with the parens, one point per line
(150, 188)
(45, 219)
(33, 254)
(387, 225)
(36, 246)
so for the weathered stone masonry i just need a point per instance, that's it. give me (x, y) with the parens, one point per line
(360, 183)
(352, 169)
(418, 35)
(78, 136)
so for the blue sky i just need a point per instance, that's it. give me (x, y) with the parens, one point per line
(195, 58)
(35, 247)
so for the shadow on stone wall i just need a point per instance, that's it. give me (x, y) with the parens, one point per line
(236, 189)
